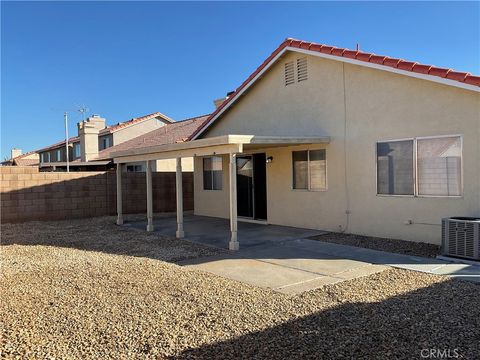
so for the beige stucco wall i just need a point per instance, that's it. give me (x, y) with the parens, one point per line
(135, 130)
(210, 202)
(167, 165)
(379, 106)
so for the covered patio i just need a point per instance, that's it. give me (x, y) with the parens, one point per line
(211, 231)
(231, 145)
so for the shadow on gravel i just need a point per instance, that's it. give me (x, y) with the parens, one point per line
(103, 235)
(443, 318)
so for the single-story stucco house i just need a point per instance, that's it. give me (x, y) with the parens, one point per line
(334, 139)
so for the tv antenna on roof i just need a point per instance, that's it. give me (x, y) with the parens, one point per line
(82, 109)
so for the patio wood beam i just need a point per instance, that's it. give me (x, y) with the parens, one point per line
(149, 197)
(119, 195)
(233, 244)
(180, 234)
(201, 151)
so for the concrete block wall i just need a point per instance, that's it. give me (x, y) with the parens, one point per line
(27, 194)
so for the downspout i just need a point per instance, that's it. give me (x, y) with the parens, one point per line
(347, 194)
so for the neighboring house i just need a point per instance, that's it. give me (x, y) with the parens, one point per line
(18, 159)
(340, 140)
(94, 136)
(173, 133)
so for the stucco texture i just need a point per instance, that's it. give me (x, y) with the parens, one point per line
(356, 106)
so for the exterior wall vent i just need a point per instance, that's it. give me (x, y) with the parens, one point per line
(461, 237)
(302, 73)
(289, 73)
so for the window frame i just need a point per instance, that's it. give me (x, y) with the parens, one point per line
(309, 189)
(75, 147)
(415, 166)
(133, 168)
(461, 166)
(203, 172)
(47, 156)
(105, 142)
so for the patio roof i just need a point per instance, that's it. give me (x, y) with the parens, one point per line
(74, 163)
(224, 144)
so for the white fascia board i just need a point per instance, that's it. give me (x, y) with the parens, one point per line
(343, 59)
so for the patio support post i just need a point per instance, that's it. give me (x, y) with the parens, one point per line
(180, 234)
(233, 244)
(149, 197)
(119, 195)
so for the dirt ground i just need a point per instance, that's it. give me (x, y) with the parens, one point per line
(88, 289)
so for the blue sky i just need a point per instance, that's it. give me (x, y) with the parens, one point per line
(127, 59)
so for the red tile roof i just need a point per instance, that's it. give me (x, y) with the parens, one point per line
(26, 162)
(169, 134)
(386, 61)
(23, 160)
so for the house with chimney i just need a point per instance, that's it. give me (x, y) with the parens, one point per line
(88, 151)
(95, 142)
(17, 158)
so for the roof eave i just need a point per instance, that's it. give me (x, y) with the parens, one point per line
(284, 47)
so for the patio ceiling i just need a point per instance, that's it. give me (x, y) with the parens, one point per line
(226, 144)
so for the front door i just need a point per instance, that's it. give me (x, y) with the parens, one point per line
(252, 186)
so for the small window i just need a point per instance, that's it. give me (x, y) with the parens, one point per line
(309, 169)
(47, 156)
(289, 73)
(76, 150)
(59, 155)
(212, 173)
(105, 142)
(395, 168)
(134, 168)
(302, 74)
(439, 166)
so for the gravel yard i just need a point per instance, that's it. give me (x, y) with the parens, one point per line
(88, 289)
(383, 244)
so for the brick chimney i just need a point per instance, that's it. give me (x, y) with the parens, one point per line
(88, 132)
(16, 152)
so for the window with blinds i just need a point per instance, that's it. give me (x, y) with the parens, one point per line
(309, 170)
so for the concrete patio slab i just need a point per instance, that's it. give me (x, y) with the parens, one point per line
(216, 231)
(254, 272)
(470, 272)
(283, 255)
(283, 259)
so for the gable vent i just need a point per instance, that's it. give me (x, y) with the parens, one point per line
(289, 73)
(302, 73)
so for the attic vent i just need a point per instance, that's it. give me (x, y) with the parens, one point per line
(289, 73)
(302, 69)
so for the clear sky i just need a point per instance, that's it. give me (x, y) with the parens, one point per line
(128, 59)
